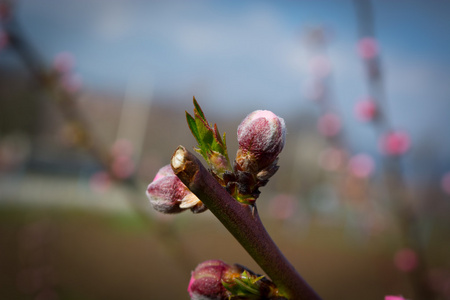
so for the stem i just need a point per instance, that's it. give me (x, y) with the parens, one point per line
(243, 223)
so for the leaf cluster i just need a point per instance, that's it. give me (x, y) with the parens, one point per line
(210, 144)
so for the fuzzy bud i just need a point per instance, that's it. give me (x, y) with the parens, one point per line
(206, 281)
(167, 194)
(261, 137)
(216, 280)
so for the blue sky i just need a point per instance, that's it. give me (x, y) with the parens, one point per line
(238, 56)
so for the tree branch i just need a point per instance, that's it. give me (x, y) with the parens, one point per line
(243, 223)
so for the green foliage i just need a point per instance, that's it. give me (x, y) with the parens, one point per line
(210, 144)
(251, 286)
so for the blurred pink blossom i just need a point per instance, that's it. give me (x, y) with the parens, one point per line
(361, 165)
(63, 62)
(394, 143)
(367, 47)
(445, 183)
(329, 124)
(100, 182)
(320, 66)
(406, 260)
(394, 298)
(122, 147)
(71, 83)
(366, 109)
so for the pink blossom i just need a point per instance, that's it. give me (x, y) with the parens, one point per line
(394, 298)
(445, 183)
(366, 109)
(71, 83)
(361, 165)
(405, 260)
(329, 124)
(367, 48)
(63, 62)
(122, 166)
(394, 143)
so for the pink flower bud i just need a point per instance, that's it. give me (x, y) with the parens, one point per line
(395, 143)
(366, 110)
(216, 280)
(261, 137)
(206, 281)
(368, 47)
(167, 194)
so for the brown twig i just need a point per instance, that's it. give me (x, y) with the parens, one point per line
(243, 223)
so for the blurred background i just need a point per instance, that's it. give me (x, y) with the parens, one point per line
(93, 97)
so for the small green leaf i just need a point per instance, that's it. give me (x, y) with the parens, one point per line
(211, 146)
(192, 126)
(198, 110)
(205, 133)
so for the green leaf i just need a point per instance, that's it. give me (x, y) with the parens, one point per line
(192, 126)
(246, 288)
(210, 144)
(205, 133)
(198, 110)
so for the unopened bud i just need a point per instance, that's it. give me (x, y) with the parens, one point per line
(167, 194)
(261, 137)
(206, 281)
(214, 279)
